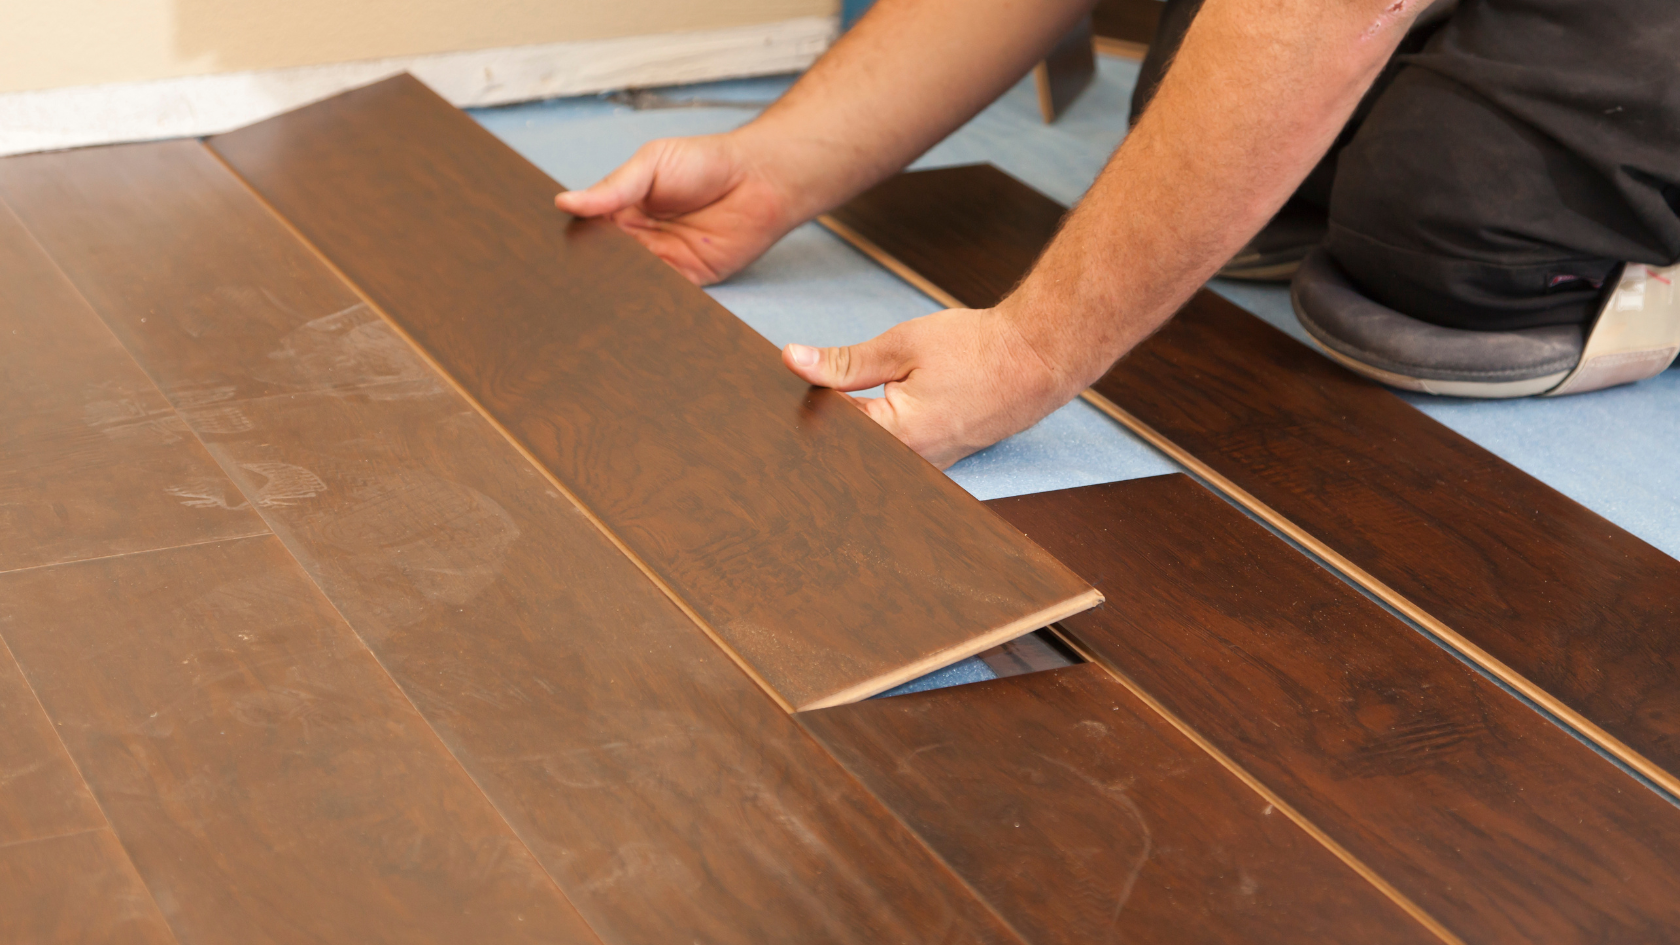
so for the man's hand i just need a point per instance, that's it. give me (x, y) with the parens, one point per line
(701, 204)
(956, 381)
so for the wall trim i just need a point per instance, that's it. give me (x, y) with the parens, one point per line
(50, 119)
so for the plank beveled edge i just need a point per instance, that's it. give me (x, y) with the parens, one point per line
(1668, 781)
(949, 655)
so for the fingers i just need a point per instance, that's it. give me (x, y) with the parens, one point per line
(856, 367)
(624, 187)
(675, 251)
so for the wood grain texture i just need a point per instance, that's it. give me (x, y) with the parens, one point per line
(1572, 610)
(814, 545)
(1066, 72)
(1084, 817)
(92, 458)
(268, 779)
(75, 889)
(1493, 820)
(668, 795)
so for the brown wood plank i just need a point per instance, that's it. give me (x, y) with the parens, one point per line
(815, 547)
(965, 235)
(1565, 606)
(268, 779)
(1131, 22)
(93, 461)
(75, 889)
(1084, 817)
(41, 793)
(667, 794)
(1066, 72)
(1493, 820)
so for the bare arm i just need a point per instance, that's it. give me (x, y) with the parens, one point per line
(908, 74)
(1259, 90)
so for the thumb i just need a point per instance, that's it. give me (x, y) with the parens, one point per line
(624, 187)
(856, 367)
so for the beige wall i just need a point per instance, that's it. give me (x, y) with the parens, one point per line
(53, 43)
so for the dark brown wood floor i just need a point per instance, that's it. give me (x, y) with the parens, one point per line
(1568, 608)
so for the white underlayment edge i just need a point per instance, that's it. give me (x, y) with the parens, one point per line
(50, 119)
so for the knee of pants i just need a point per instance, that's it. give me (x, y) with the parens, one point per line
(1447, 209)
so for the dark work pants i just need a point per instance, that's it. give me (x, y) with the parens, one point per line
(1507, 160)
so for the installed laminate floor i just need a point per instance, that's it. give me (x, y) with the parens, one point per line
(1084, 817)
(1494, 821)
(662, 791)
(267, 778)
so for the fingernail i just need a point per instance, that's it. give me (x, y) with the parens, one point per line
(803, 356)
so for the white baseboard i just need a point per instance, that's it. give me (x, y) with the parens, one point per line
(50, 119)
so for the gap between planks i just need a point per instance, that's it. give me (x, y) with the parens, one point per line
(1588, 730)
(572, 497)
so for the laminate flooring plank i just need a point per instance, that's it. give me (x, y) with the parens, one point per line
(75, 889)
(269, 781)
(1084, 817)
(1565, 606)
(1493, 820)
(666, 793)
(93, 461)
(821, 551)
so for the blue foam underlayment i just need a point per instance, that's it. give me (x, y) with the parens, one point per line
(1616, 452)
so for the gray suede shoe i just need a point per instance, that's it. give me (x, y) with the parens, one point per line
(1403, 352)
(1635, 335)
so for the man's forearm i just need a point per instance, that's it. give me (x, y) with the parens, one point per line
(908, 74)
(1256, 95)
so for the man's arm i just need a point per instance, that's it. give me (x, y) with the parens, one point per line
(908, 74)
(1256, 95)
